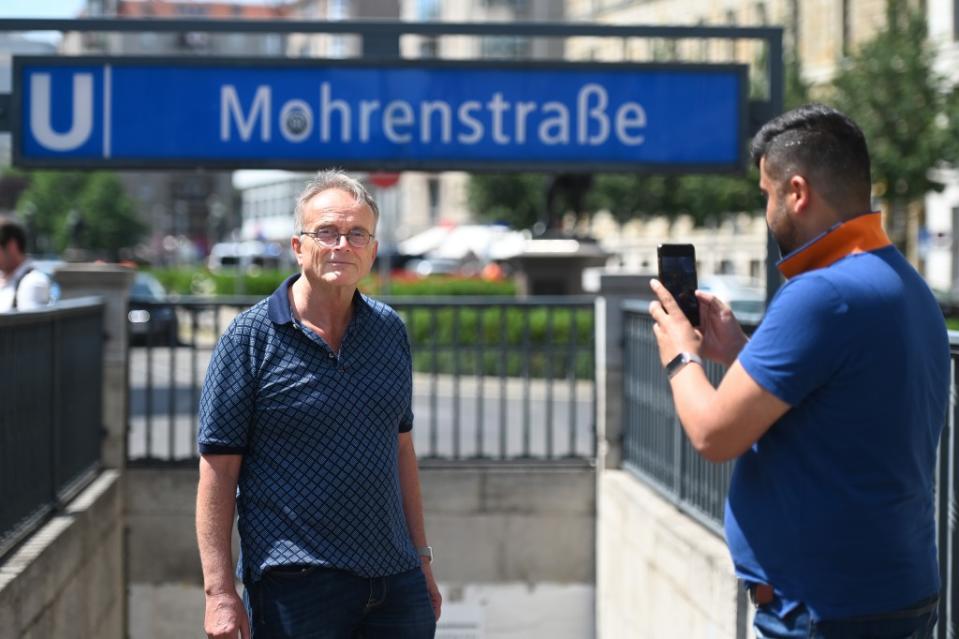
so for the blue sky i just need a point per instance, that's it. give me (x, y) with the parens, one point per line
(40, 8)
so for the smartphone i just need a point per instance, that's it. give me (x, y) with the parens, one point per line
(677, 272)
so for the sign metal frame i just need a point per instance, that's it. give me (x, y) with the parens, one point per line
(740, 71)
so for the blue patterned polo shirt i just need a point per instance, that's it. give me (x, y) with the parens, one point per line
(318, 430)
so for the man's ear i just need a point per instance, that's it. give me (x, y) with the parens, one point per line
(297, 246)
(799, 194)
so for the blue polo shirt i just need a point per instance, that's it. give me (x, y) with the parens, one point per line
(833, 506)
(318, 432)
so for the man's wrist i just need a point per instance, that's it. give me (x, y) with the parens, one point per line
(679, 362)
(426, 553)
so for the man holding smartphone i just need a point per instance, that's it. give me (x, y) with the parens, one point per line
(834, 407)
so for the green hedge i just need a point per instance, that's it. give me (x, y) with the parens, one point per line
(442, 285)
(469, 341)
(201, 281)
(485, 342)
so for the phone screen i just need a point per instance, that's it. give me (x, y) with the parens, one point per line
(677, 272)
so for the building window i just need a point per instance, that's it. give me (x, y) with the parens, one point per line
(428, 10)
(731, 20)
(504, 47)
(429, 47)
(846, 28)
(517, 6)
(761, 17)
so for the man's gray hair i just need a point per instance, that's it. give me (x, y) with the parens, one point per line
(333, 179)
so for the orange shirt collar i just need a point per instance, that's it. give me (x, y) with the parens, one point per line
(858, 235)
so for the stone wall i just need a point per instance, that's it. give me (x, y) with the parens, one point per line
(514, 546)
(67, 579)
(659, 572)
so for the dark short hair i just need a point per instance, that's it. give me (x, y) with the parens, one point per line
(823, 145)
(10, 229)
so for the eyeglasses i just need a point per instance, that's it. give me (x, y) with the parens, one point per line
(329, 237)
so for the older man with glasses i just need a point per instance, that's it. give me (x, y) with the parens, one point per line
(305, 421)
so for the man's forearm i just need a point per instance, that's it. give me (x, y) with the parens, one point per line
(410, 487)
(215, 508)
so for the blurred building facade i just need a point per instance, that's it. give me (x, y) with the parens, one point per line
(940, 242)
(428, 199)
(421, 200)
(822, 33)
(186, 211)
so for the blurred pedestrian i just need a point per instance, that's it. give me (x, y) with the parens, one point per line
(833, 408)
(307, 409)
(22, 287)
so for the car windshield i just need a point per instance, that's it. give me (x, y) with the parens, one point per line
(148, 288)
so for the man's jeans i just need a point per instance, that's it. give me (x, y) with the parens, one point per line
(915, 622)
(322, 603)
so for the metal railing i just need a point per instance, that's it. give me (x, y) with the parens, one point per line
(657, 451)
(654, 445)
(494, 378)
(51, 418)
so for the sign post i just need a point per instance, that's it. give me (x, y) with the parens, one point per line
(388, 201)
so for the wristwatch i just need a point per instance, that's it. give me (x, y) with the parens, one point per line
(676, 364)
(426, 552)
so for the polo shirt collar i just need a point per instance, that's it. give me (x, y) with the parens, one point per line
(278, 305)
(859, 235)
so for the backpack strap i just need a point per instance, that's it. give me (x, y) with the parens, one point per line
(16, 287)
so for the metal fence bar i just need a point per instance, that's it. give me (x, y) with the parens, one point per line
(503, 371)
(476, 396)
(457, 396)
(948, 531)
(194, 374)
(527, 355)
(654, 445)
(480, 355)
(571, 354)
(548, 372)
(434, 383)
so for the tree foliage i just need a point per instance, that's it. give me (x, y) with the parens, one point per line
(87, 211)
(890, 88)
(516, 199)
(703, 197)
(519, 200)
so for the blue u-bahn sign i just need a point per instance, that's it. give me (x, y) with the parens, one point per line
(229, 113)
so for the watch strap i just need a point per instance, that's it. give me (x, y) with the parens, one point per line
(426, 552)
(677, 363)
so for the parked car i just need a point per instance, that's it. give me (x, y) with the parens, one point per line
(152, 319)
(248, 255)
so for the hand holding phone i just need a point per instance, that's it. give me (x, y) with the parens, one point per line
(677, 272)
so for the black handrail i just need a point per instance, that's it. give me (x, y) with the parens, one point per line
(51, 414)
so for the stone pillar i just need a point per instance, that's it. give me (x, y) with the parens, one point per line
(112, 284)
(614, 289)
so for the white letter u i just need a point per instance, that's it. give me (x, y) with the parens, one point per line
(40, 123)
